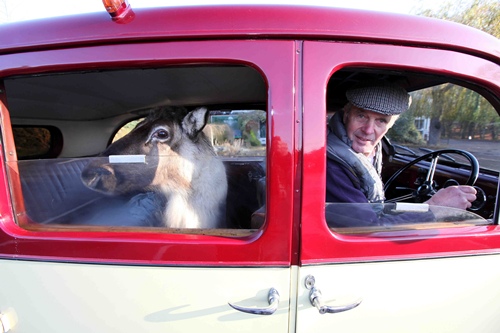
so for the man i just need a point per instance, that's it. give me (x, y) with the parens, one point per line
(354, 152)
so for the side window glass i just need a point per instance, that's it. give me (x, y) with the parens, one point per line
(398, 173)
(176, 167)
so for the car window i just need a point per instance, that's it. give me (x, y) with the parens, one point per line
(445, 115)
(231, 132)
(37, 141)
(452, 117)
(166, 150)
(396, 216)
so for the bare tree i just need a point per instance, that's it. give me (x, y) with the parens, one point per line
(471, 111)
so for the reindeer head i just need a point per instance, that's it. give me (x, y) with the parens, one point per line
(161, 152)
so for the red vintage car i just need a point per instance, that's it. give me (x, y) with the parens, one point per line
(87, 238)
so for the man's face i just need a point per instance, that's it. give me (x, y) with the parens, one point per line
(366, 128)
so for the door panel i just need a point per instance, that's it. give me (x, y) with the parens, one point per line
(432, 280)
(83, 279)
(63, 297)
(271, 248)
(432, 295)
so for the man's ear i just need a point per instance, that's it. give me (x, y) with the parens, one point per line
(393, 121)
(346, 109)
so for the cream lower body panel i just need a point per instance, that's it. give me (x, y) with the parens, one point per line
(430, 295)
(65, 297)
(460, 294)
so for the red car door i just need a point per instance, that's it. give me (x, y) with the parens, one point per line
(83, 279)
(438, 279)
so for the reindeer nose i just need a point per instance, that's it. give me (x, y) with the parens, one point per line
(97, 178)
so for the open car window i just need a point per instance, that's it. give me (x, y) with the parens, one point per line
(448, 116)
(449, 136)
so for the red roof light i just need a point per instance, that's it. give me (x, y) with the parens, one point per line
(119, 10)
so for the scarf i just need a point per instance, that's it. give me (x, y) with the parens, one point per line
(363, 173)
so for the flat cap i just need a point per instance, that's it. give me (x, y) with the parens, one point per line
(386, 98)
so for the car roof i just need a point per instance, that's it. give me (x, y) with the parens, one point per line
(249, 21)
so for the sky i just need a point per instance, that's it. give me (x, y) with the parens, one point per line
(19, 10)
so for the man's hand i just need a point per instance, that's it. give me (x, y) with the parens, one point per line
(460, 196)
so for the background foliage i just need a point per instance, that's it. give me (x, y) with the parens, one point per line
(456, 112)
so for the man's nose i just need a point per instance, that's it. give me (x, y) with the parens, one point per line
(369, 127)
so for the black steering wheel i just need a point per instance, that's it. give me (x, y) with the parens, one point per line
(428, 187)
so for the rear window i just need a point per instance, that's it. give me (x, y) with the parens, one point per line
(37, 142)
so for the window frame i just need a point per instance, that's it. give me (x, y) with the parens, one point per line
(323, 245)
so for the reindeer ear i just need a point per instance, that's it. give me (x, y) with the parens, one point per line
(194, 122)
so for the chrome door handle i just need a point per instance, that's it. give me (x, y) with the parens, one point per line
(273, 298)
(316, 300)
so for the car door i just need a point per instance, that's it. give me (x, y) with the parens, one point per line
(441, 279)
(87, 279)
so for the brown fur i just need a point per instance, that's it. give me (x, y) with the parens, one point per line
(180, 165)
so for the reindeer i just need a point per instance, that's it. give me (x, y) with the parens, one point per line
(167, 153)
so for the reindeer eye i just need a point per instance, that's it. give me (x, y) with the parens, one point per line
(161, 134)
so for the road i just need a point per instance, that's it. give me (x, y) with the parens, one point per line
(487, 152)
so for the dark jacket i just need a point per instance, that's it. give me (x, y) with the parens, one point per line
(347, 206)
(347, 187)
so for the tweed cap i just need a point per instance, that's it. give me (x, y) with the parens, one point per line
(386, 98)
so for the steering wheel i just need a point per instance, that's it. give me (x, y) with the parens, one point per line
(428, 188)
